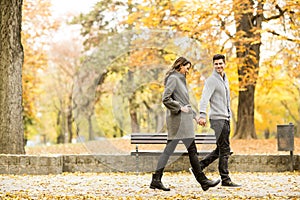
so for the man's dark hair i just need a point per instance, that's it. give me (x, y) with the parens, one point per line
(218, 57)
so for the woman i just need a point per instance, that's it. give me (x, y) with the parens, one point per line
(179, 124)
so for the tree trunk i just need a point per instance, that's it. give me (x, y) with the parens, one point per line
(248, 53)
(11, 61)
(59, 129)
(133, 106)
(135, 127)
(245, 128)
(91, 129)
(70, 119)
(297, 129)
(159, 121)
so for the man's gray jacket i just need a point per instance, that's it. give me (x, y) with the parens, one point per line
(216, 92)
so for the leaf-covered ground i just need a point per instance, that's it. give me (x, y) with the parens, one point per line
(132, 186)
(123, 146)
(136, 186)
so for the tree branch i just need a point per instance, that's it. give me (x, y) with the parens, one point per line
(285, 37)
(281, 13)
(224, 43)
(285, 105)
(223, 27)
(147, 106)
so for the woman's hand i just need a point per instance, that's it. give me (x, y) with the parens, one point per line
(185, 109)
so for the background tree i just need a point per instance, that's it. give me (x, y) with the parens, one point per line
(234, 27)
(250, 16)
(280, 104)
(11, 60)
(37, 28)
(138, 65)
(258, 38)
(94, 31)
(64, 62)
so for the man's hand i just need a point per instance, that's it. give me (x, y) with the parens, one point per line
(202, 121)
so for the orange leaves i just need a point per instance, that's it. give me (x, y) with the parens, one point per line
(36, 26)
(144, 58)
(133, 18)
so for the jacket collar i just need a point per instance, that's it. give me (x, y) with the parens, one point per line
(219, 76)
(180, 75)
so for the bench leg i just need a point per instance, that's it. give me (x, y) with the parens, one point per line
(137, 159)
(292, 161)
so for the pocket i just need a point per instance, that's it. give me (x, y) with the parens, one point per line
(189, 112)
(217, 126)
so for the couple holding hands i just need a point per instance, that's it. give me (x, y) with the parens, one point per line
(180, 118)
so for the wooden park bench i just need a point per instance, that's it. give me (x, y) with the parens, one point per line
(161, 138)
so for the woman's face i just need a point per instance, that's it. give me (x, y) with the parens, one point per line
(184, 69)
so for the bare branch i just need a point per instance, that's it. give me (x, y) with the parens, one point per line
(285, 105)
(224, 43)
(223, 27)
(147, 106)
(285, 37)
(281, 13)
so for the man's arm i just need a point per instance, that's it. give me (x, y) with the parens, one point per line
(207, 92)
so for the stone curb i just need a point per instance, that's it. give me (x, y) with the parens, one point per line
(57, 164)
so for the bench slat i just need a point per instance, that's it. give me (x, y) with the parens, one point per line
(164, 138)
(165, 142)
(157, 153)
(133, 135)
(161, 138)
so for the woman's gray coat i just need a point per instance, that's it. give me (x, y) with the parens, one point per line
(179, 124)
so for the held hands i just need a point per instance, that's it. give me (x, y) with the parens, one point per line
(201, 121)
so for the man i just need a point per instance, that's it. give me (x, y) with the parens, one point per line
(216, 92)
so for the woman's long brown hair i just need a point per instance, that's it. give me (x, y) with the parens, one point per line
(181, 61)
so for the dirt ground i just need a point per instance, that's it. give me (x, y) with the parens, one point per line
(123, 146)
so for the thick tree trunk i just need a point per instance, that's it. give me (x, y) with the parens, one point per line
(248, 53)
(245, 128)
(11, 61)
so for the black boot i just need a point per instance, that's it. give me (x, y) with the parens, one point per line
(157, 184)
(204, 181)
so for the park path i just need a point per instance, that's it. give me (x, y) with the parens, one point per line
(132, 186)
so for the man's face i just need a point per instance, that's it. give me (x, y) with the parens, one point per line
(219, 66)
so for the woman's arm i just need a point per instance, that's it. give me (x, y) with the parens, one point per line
(167, 99)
